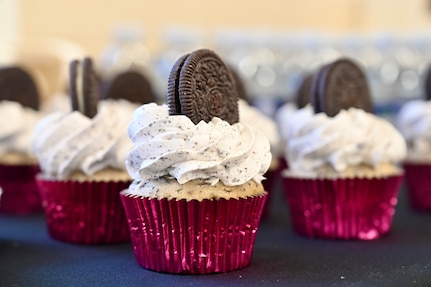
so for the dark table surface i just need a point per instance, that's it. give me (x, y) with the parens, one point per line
(29, 257)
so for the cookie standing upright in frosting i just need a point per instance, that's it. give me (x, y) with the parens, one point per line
(193, 155)
(343, 159)
(202, 87)
(129, 85)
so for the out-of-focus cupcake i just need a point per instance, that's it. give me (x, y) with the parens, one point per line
(343, 177)
(196, 199)
(19, 104)
(414, 122)
(255, 118)
(81, 155)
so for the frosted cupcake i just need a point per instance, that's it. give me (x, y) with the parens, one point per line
(81, 155)
(196, 199)
(19, 104)
(414, 122)
(343, 177)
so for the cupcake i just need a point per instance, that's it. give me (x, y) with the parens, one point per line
(196, 198)
(19, 105)
(344, 175)
(81, 155)
(414, 122)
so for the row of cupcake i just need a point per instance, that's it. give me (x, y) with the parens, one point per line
(192, 170)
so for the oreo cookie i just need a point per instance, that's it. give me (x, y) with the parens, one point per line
(17, 85)
(128, 85)
(201, 87)
(340, 85)
(303, 94)
(83, 87)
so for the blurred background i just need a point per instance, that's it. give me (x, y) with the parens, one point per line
(272, 44)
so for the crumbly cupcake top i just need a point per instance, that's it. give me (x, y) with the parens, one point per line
(65, 143)
(173, 147)
(352, 143)
(16, 131)
(169, 188)
(414, 122)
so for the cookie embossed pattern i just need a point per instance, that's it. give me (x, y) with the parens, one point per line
(196, 199)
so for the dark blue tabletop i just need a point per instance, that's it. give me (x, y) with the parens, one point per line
(29, 257)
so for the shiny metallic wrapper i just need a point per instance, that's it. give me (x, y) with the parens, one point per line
(20, 195)
(193, 237)
(84, 212)
(353, 208)
(418, 180)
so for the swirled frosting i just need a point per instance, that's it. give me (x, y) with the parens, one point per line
(253, 117)
(16, 130)
(414, 122)
(167, 146)
(65, 143)
(353, 138)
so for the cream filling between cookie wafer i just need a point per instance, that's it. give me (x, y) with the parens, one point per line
(79, 81)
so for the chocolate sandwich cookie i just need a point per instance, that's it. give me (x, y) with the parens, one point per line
(17, 85)
(84, 88)
(303, 95)
(340, 85)
(128, 85)
(201, 87)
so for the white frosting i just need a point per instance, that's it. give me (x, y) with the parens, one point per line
(255, 118)
(69, 142)
(16, 128)
(173, 146)
(414, 122)
(351, 138)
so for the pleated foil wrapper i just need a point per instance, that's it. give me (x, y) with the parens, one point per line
(418, 181)
(84, 212)
(20, 195)
(192, 237)
(354, 208)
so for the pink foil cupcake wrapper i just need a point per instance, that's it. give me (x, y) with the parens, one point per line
(418, 180)
(20, 194)
(342, 208)
(193, 237)
(84, 212)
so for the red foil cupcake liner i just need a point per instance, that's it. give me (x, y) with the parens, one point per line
(418, 180)
(193, 237)
(84, 212)
(20, 194)
(342, 208)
